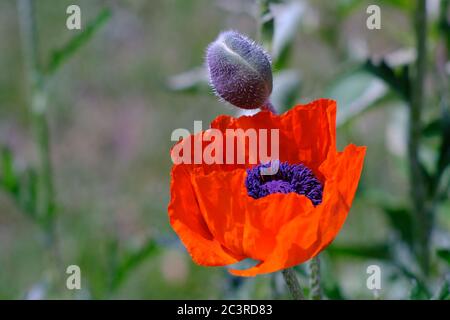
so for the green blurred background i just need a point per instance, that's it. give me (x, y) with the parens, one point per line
(113, 106)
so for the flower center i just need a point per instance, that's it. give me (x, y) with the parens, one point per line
(289, 178)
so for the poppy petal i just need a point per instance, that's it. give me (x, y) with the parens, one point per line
(303, 230)
(221, 201)
(188, 223)
(244, 225)
(342, 176)
(266, 216)
(308, 234)
(314, 125)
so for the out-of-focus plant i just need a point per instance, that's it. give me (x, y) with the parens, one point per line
(428, 186)
(399, 77)
(277, 23)
(405, 81)
(32, 188)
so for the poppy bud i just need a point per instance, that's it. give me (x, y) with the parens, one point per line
(239, 70)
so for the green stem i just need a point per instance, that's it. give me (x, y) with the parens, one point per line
(314, 279)
(38, 109)
(28, 35)
(293, 284)
(442, 56)
(417, 182)
(265, 24)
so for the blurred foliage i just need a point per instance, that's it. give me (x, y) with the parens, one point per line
(60, 55)
(21, 185)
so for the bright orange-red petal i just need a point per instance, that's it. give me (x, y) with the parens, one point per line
(188, 223)
(307, 132)
(311, 231)
(220, 224)
(246, 226)
(266, 217)
(221, 200)
(342, 177)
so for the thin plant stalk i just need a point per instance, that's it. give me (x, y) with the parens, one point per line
(38, 111)
(422, 211)
(265, 24)
(293, 284)
(314, 279)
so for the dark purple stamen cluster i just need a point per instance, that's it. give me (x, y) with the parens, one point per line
(289, 178)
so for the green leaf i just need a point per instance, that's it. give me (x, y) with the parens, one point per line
(22, 186)
(8, 177)
(398, 81)
(444, 23)
(401, 220)
(355, 92)
(286, 89)
(194, 80)
(444, 254)
(444, 149)
(432, 129)
(378, 251)
(346, 7)
(333, 291)
(418, 292)
(419, 288)
(266, 23)
(61, 55)
(443, 292)
(330, 284)
(287, 18)
(400, 4)
(131, 261)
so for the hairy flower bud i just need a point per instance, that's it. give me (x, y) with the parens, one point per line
(240, 70)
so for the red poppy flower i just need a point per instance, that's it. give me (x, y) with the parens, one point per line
(225, 213)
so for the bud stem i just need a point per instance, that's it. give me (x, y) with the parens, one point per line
(269, 107)
(314, 280)
(293, 284)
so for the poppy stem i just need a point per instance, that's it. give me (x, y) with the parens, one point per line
(293, 284)
(314, 279)
(269, 107)
(423, 211)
